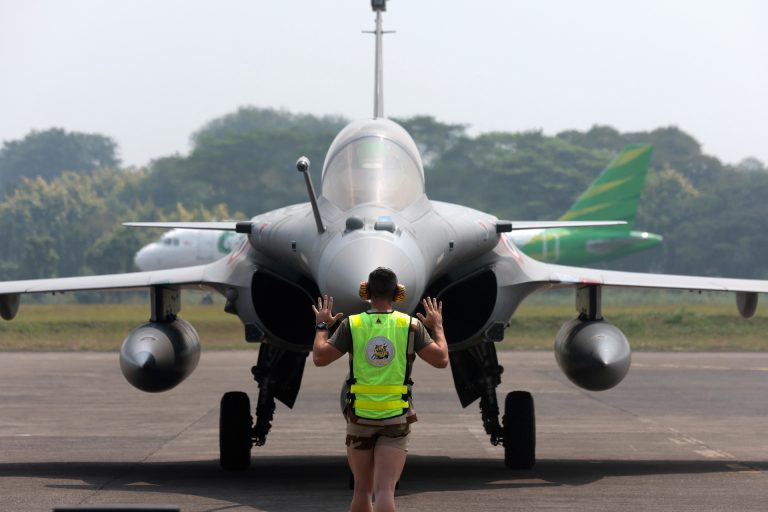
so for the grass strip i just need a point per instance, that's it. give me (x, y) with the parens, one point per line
(649, 327)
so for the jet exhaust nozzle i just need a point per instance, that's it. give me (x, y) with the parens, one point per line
(593, 354)
(158, 356)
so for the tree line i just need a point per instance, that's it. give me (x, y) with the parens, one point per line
(63, 195)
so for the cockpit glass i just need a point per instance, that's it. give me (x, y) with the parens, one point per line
(372, 169)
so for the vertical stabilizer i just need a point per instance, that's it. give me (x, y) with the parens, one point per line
(614, 195)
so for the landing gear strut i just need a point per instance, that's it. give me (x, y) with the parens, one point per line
(278, 373)
(477, 374)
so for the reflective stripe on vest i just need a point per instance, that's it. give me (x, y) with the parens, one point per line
(379, 363)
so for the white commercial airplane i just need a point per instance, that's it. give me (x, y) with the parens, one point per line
(373, 211)
(185, 248)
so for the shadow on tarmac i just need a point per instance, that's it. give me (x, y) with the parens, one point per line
(290, 483)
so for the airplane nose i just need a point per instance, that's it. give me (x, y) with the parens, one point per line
(347, 262)
(141, 259)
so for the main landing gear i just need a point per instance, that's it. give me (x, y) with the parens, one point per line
(278, 373)
(477, 374)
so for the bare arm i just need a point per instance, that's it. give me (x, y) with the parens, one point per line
(435, 353)
(323, 353)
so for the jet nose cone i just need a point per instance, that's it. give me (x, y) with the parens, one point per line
(347, 264)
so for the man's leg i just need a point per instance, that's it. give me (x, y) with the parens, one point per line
(361, 464)
(388, 465)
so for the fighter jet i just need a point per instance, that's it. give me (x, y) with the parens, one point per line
(373, 211)
(614, 195)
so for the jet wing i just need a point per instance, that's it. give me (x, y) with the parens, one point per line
(187, 277)
(562, 275)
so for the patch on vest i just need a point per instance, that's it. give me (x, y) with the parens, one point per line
(379, 351)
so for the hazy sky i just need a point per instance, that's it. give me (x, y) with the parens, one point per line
(150, 72)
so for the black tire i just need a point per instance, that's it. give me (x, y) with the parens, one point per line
(235, 424)
(519, 424)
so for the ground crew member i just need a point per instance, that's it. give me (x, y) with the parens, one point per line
(381, 343)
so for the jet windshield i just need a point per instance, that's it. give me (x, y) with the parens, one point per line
(373, 169)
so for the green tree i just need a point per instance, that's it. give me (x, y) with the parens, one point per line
(751, 164)
(245, 160)
(517, 176)
(63, 217)
(432, 137)
(49, 153)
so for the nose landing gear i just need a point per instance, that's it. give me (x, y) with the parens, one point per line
(278, 373)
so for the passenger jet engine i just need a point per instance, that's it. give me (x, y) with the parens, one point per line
(593, 354)
(157, 356)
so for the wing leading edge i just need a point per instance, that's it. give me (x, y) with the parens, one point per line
(216, 226)
(184, 277)
(213, 276)
(562, 275)
(518, 225)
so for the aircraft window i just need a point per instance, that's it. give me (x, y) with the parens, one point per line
(372, 169)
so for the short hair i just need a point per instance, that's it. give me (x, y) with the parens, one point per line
(382, 283)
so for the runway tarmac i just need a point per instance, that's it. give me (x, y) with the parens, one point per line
(682, 432)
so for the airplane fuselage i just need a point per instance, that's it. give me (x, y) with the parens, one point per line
(419, 244)
(583, 247)
(185, 248)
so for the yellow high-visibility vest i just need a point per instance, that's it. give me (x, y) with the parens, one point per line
(379, 364)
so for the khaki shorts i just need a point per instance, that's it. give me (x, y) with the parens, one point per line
(366, 437)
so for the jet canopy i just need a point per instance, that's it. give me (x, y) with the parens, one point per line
(373, 161)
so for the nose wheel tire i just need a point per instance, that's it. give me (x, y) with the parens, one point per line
(235, 427)
(519, 426)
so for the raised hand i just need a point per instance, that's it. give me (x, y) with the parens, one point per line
(434, 310)
(323, 311)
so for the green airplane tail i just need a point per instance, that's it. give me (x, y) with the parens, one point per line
(615, 193)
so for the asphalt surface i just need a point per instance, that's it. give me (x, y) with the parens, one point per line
(682, 432)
